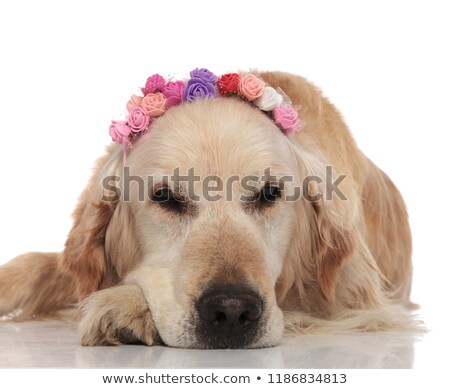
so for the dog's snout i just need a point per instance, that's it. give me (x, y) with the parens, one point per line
(229, 314)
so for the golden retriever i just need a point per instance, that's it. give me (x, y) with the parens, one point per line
(233, 272)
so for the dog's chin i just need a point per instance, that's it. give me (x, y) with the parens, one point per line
(239, 343)
(267, 333)
(216, 343)
(245, 339)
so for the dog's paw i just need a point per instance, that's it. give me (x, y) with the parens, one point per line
(118, 315)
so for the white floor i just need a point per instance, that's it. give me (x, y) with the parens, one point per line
(53, 344)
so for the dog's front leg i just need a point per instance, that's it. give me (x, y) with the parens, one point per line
(117, 315)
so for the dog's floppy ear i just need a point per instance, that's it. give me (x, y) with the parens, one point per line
(84, 254)
(323, 238)
(94, 250)
(332, 242)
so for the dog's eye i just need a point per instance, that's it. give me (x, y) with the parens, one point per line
(265, 198)
(269, 194)
(167, 199)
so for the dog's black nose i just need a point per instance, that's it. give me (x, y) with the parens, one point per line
(229, 314)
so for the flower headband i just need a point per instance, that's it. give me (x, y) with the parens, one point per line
(158, 95)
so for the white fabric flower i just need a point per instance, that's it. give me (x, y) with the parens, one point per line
(269, 100)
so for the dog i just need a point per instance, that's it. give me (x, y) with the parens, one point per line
(235, 272)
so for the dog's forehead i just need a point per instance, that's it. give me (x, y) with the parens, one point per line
(221, 136)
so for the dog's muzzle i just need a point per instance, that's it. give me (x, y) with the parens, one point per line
(229, 316)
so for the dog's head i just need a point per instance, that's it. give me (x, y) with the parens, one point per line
(214, 250)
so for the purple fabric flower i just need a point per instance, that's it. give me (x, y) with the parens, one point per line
(198, 88)
(155, 83)
(204, 74)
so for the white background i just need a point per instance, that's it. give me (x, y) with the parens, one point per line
(68, 68)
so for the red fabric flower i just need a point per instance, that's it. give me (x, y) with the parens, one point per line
(228, 84)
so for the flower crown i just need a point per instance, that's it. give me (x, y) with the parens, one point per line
(158, 95)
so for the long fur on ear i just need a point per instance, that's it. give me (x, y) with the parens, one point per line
(84, 253)
(95, 252)
(332, 235)
(332, 244)
(325, 239)
(344, 255)
(322, 240)
(330, 280)
(100, 249)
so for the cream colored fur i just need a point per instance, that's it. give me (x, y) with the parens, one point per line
(334, 265)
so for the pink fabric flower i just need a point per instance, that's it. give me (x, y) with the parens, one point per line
(138, 119)
(287, 118)
(135, 101)
(173, 93)
(251, 87)
(159, 96)
(154, 104)
(119, 132)
(155, 83)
